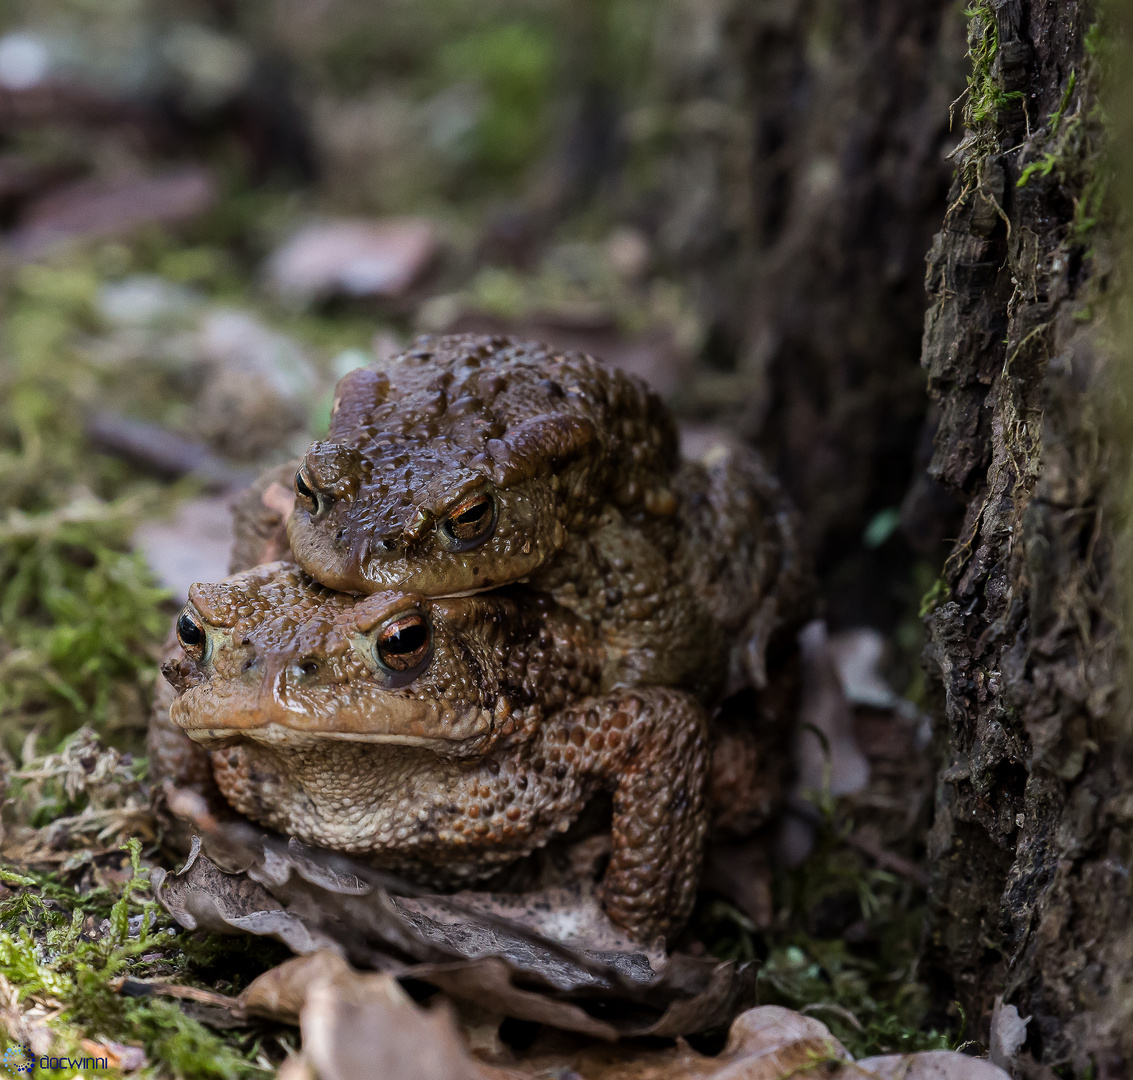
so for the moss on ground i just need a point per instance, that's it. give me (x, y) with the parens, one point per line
(77, 918)
(842, 946)
(64, 952)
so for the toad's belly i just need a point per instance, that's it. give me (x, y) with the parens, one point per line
(404, 808)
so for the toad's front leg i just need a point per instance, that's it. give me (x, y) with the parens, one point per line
(650, 748)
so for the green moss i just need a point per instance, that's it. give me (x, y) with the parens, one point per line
(936, 595)
(1065, 149)
(68, 949)
(1071, 146)
(79, 616)
(984, 97)
(866, 993)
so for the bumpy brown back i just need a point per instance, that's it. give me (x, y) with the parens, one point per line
(488, 403)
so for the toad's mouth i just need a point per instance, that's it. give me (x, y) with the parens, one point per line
(283, 737)
(265, 720)
(491, 586)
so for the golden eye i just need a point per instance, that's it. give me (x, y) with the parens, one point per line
(470, 523)
(316, 501)
(191, 634)
(404, 646)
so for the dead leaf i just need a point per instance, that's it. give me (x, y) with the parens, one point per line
(362, 1024)
(491, 980)
(192, 546)
(1008, 1033)
(201, 896)
(368, 1027)
(828, 753)
(543, 954)
(281, 992)
(96, 208)
(765, 1043)
(354, 258)
(480, 925)
(857, 654)
(931, 1065)
(827, 757)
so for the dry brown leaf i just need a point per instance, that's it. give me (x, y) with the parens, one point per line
(93, 208)
(281, 992)
(490, 980)
(931, 1065)
(356, 1024)
(765, 1043)
(382, 258)
(200, 896)
(361, 1024)
(190, 546)
(368, 1027)
(1008, 1033)
(481, 925)
(557, 949)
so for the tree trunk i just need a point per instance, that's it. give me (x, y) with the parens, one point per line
(1030, 847)
(808, 177)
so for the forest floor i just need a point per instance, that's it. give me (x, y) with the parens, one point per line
(83, 615)
(154, 362)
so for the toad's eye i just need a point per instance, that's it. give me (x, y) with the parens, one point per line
(191, 634)
(404, 646)
(470, 523)
(315, 501)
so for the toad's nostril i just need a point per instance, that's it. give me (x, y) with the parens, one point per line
(249, 664)
(307, 668)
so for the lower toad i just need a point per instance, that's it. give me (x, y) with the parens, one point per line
(441, 738)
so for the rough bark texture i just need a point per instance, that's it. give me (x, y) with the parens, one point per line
(809, 177)
(1030, 846)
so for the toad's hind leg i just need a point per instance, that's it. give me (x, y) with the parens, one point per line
(651, 749)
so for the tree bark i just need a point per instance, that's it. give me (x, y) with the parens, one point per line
(808, 176)
(1030, 844)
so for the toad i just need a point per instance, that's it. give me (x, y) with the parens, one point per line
(470, 462)
(439, 738)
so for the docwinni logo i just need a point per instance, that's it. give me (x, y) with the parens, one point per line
(19, 1059)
